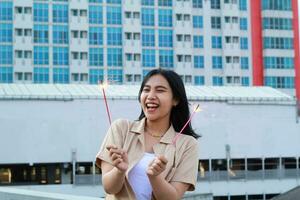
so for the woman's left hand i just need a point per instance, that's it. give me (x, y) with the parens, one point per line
(157, 166)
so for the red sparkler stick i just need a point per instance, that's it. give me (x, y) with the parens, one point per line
(106, 104)
(188, 121)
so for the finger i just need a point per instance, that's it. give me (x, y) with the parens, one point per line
(111, 146)
(157, 168)
(115, 156)
(118, 151)
(117, 161)
(163, 159)
(160, 163)
(151, 162)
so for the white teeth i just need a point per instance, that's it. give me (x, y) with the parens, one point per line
(151, 105)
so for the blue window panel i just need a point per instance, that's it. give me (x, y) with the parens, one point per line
(6, 74)
(96, 56)
(60, 56)
(40, 12)
(6, 54)
(41, 55)
(244, 63)
(60, 34)
(217, 81)
(279, 62)
(5, 32)
(165, 18)
(95, 14)
(60, 13)
(215, 4)
(197, 21)
(276, 23)
(244, 43)
(96, 75)
(164, 2)
(148, 37)
(284, 82)
(114, 57)
(197, 4)
(166, 58)
(95, 1)
(147, 16)
(243, 5)
(96, 35)
(148, 2)
(114, 1)
(40, 34)
(198, 61)
(276, 4)
(61, 75)
(165, 38)
(114, 36)
(40, 75)
(148, 58)
(217, 62)
(199, 80)
(115, 75)
(198, 41)
(216, 42)
(145, 72)
(245, 81)
(6, 10)
(113, 15)
(243, 23)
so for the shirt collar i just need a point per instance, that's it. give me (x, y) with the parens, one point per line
(139, 127)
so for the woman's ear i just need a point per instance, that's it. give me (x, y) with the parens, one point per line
(175, 102)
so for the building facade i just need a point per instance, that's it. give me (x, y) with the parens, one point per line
(208, 42)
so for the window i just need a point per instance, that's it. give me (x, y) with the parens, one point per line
(197, 3)
(165, 2)
(41, 55)
(148, 37)
(114, 56)
(244, 43)
(243, 23)
(147, 17)
(60, 34)
(215, 4)
(165, 38)
(60, 56)
(115, 75)
(216, 42)
(198, 41)
(96, 56)
(40, 75)
(277, 23)
(5, 32)
(280, 81)
(6, 10)
(245, 81)
(40, 12)
(165, 18)
(199, 80)
(197, 21)
(6, 73)
(279, 63)
(40, 34)
(113, 1)
(278, 43)
(148, 2)
(217, 80)
(96, 75)
(215, 22)
(113, 15)
(148, 58)
(61, 75)
(95, 35)
(217, 62)
(166, 58)
(198, 61)
(114, 36)
(95, 14)
(60, 13)
(244, 63)
(243, 5)
(276, 4)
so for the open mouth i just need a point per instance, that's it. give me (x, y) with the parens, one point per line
(151, 106)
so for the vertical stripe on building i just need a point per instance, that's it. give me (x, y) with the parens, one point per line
(296, 47)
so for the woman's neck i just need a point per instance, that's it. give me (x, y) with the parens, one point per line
(157, 127)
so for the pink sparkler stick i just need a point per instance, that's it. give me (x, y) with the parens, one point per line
(106, 104)
(188, 121)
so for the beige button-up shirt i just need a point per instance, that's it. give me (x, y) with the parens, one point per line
(182, 157)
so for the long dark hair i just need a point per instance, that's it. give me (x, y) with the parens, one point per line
(179, 113)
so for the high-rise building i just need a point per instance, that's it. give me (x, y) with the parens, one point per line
(208, 42)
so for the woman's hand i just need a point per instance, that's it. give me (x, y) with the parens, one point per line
(157, 166)
(119, 157)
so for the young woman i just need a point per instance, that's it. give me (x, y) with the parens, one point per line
(138, 159)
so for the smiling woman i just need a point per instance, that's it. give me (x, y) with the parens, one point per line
(138, 159)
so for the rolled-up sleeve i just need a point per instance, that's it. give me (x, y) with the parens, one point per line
(114, 136)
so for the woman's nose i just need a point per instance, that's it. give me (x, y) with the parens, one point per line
(151, 95)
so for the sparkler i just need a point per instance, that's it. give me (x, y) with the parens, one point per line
(104, 85)
(196, 109)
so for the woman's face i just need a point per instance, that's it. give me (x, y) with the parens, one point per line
(157, 98)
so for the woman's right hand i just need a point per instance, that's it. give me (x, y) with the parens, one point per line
(119, 157)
